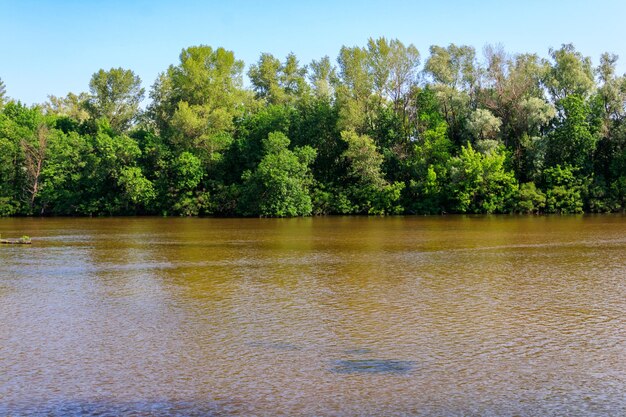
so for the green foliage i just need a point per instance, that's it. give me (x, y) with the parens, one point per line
(429, 166)
(115, 95)
(369, 135)
(367, 187)
(599, 197)
(136, 188)
(572, 142)
(482, 124)
(331, 200)
(618, 192)
(322, 77)
(564, 190)
(481, 183)
(278, 83)
(363, 159)
(195, 103)
(62, 176)
(571, 73)
(530, 199)
(247, 149)
(279, 186)
(8, 207)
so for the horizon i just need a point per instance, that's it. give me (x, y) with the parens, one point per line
(55, 56)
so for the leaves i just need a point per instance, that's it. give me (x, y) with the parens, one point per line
(372, 133)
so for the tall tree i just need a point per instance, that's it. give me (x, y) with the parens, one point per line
(456, 77)
(572, 142)
(354, 90)
(394, 69)
(196, 102)
(276, 82)
(265, 78)
(116, 95)
(72, 105)
(513, 92)
(570, 73)
(35, 155)
(323, 77)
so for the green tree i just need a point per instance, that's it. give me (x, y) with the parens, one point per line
(196, 102)
(610, 106)
(354, 90)
(323, 77)
(265, 78)
(570, 73)
(20, 169)
(109, 182)
(481, 183)
(185, 191)
(564, 190)
(572, 142)
(72, 106)
(425, 169)
(455, 75)
(513, 92)
(276, 82)
(368, 189)
(530, 199)
(483, 125)
(115, 95)
(394, 68)
(279, 186)
(35, 154)
(62, 183)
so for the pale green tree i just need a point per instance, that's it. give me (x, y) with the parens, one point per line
(195, 102)
(265, 78)
(456, 75)
(570, 73)
(354, 89)
(276, 82)
(323, 77)
(394, 68)
(512, 90)
(116, 95)
(72, 105)
(483, 124)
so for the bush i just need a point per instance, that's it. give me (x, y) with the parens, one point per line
(530, 199)
(563, 190)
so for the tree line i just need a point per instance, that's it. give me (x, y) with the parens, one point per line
(376, 132)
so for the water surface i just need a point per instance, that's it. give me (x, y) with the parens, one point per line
(316, 316)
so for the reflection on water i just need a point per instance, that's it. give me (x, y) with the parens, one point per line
(318, 316)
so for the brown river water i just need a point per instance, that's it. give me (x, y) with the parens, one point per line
(334, 316)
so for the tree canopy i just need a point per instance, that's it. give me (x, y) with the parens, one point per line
(383, 129)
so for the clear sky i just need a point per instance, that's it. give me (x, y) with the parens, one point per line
(53, 47)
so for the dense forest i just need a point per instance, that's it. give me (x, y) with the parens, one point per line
(377, 132)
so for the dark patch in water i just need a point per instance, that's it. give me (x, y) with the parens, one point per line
(358, 351)
(372, 366)
(275, 345)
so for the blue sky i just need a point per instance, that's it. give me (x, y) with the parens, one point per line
(53, 47)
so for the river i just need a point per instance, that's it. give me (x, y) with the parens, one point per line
(489, 315)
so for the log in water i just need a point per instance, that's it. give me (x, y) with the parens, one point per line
(15, 241)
